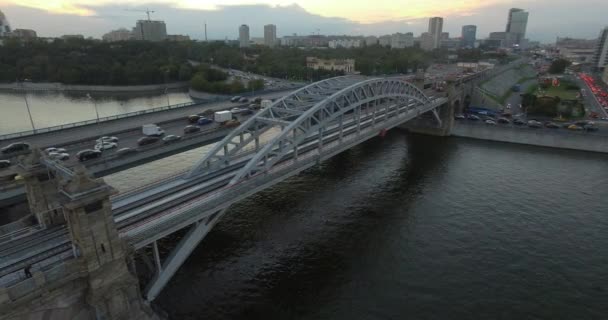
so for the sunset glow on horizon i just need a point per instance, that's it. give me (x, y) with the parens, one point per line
(355, 10)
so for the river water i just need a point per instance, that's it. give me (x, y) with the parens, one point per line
(407, 227)
(57, 108)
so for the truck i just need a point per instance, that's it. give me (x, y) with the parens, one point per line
(265, 103)
(222, 116)
(152, 130)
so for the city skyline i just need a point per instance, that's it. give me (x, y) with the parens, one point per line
(294, 18)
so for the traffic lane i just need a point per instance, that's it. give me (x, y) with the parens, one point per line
(590, 98)
(62, 137)
(515, 97)
(129, 140)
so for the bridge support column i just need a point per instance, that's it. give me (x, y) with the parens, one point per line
(41, 190)
(180, 253)
(113, 291)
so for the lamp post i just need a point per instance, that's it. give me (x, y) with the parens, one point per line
(27, 105)
(167, 88)
(94, 104)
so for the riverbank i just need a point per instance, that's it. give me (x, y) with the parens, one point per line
(56, 86)
(552, 138)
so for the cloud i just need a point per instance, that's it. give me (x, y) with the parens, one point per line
(548, 18)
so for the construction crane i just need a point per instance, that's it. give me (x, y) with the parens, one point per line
(147, 11)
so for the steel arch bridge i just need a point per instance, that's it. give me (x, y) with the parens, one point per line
(309, 110)
(296, 132)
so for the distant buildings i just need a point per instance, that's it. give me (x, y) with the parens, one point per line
(516, 25)
(345, 65)
(385, 41)
(244, 36)
(469, 34)
(600, 58)
(402, 40)
(72, 36)
(26, 34)
(371, 41)
(427, 41)
(178, 37)
(150, 30)
(344, 43)
(5, 27)
(575, 50)
(270, 35)
(312, 41)
(117, 35)
(436, 29)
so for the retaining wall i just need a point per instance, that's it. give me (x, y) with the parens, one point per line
(56, 86)
(553, 138)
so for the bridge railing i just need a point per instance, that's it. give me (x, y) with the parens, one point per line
(94, 121)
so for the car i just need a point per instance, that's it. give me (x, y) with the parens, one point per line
(246, 112)
(4, 164)
(574, 127)
(508, 106)
(49, 150)
(503, 120)
(490, 122)
(236, 110)
(107, 139)
(232, 123)
(566, 125)
(582, 123)
(235, 99)
(106, 146)
(254, 106)
(88, 154)
(61, 150)
(125, 151)
(473, 117)
(551, 125)
(193, 118)
(534, 124)
(243, 100)
(191, 129)
(590, 128)
(143, 141)
(204, 121)
(15, 147)
(257, 100)
(171, 138)
(59, 156)
(459, 117)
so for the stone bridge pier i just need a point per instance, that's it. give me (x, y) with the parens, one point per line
(97, 281)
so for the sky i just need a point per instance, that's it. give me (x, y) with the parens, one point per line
(548, 18)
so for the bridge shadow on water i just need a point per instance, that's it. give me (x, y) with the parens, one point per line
(283, 252)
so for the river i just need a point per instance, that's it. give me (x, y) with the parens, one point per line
(50, 108)
(407, 227)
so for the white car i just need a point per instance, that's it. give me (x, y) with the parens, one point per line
(50, 150)
(508, 106)
(106, 146)
(107, 139)
(490, 122)
(236, 110)
(59, 156)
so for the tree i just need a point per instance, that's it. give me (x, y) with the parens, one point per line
(256, 85)
(559, 66)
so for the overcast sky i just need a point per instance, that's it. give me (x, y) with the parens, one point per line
(548, 18)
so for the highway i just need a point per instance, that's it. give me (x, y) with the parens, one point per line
(84, 137)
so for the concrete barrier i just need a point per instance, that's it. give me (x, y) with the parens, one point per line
(56, 86)
(553, 138)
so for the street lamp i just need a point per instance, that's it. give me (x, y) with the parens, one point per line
(29, 112)
(167, 88)
(95, 104)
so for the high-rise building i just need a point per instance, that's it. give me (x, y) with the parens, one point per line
(5, 28)
(516, 24)
(150, 30)
(244, 36)
(270, 35)
(435, 29)
(371, 41)
(24, 34)
(445, 35)
(469, 34)
(600, 59)
(121, 34)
